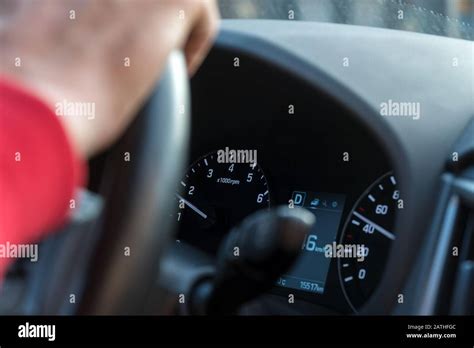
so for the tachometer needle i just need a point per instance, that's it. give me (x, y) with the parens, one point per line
(377, 227)
(192, 206)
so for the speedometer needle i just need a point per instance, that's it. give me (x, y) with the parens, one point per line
(192, 206)
(377, 227)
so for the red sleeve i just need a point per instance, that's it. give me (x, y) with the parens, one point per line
(39, 170)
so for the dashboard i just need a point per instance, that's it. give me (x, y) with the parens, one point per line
(262, 142)
(281, 117)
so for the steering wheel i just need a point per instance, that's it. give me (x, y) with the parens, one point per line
(139, 195)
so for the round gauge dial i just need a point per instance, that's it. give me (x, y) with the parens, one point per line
(369, 232)
(216, 196)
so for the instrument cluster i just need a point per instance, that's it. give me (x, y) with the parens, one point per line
(257, 143)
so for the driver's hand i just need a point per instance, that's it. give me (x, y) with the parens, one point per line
(108, 53)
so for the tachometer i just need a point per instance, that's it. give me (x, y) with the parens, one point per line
(215, 197)
(368, 231)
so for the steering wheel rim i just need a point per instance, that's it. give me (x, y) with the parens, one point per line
(136, 226)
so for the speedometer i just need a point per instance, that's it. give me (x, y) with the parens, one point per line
(216, 195)
(369, 231)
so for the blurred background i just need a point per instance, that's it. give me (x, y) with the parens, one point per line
(453, 18)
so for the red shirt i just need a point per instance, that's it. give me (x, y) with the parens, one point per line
(39, 169)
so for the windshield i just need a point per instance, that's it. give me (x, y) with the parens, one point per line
(453, 18)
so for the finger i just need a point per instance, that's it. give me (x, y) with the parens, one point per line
(202, 35)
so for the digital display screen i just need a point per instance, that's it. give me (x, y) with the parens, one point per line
(311, 268)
